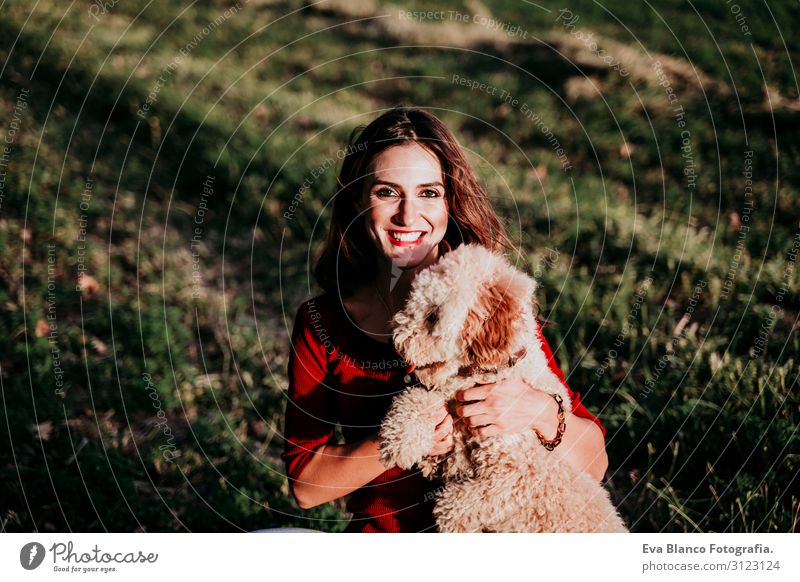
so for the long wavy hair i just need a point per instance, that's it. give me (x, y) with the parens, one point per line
(348, 256)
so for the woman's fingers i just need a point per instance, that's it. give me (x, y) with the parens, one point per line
(443, 446)
(478, 392)
(466, 410)
(445, 421)
(478, 420)
(486, 431)
(444, 428)
(444, 416)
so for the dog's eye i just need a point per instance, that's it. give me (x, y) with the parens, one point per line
(432, 318)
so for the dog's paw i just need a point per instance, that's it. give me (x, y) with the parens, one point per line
(407, 432)
(403, 449)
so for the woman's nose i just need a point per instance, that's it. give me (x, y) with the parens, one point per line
(407, 213)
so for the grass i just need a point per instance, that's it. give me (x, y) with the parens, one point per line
(701, 406)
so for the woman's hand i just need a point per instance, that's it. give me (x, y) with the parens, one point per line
(511, 406)
(443, 435)
(506, 407)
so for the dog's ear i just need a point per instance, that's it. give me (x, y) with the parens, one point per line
(487, 330)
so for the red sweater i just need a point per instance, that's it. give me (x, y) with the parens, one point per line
(338, 374)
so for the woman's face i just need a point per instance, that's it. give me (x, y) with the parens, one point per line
(404, 205)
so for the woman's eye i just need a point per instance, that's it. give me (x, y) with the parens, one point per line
(388, 192)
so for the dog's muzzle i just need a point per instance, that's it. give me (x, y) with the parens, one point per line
(475, 369)
(471, 370)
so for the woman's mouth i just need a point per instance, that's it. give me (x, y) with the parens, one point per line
(406, 238)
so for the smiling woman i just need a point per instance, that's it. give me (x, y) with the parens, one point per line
(406, 195)
(404, 205)
(401, 172)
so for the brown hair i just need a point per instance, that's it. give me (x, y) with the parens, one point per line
(348, 257)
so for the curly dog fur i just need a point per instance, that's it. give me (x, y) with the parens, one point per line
(465, 317)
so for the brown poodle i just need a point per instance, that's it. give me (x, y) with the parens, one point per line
(469, 317)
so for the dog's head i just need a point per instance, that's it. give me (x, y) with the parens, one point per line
(470, 309)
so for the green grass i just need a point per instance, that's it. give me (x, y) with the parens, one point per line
(711, 446)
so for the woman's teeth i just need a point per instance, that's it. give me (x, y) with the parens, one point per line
(406, 236)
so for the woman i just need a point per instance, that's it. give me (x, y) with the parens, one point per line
(406, 196)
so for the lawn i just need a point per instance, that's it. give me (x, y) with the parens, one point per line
(154, 250)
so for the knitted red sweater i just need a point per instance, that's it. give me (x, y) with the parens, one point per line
(338, 374)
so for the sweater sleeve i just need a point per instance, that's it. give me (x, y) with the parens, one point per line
(309, 421)
(578, 409)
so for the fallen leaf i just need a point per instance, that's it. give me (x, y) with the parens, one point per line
(88, 285)
(41, 328)
(99, 346)
(43, 430)
(261, 112)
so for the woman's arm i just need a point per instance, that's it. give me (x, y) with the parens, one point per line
(511, 406)
(337, 470)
